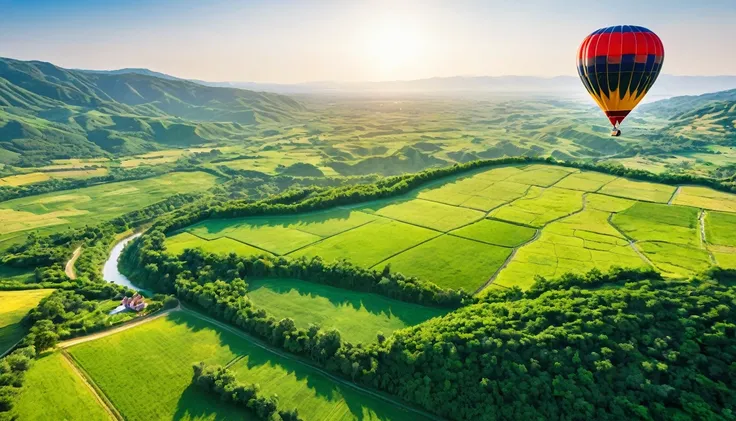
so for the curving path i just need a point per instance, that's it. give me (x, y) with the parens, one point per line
(69, 268)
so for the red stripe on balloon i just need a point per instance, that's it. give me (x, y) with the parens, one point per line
(621, 43)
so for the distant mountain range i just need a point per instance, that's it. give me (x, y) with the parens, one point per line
(667, 85)
(709, 118)
(50, 112)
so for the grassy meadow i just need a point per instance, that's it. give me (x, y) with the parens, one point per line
(357, 315)
(52, 212)
(146, 373)
(14, 305)
(53, 391)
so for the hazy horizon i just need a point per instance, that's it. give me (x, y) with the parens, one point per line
(288, 42)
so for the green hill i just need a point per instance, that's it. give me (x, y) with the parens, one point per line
(707, 118)
(48, 112)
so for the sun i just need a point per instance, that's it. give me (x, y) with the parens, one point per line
(393, 44)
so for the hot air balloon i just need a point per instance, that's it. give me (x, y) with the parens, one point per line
(618, 65)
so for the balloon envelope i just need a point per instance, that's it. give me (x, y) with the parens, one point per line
(618, 65)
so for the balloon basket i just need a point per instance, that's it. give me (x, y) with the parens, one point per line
(616, 133)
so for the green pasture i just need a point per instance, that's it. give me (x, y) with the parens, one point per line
(639, 190)
(53, 212)
(428, 214)
(451, 262)
(53, 391)
(574, 244)
(146, 372)
(496, 232)
(14, 305)
(176, 244)
(282, 234)
(677, 259)
(720, 228)
(585, 181)
(654, 222)
(540, 206)
(541, 175)
(357, 315)
(369, 244)
(705, 198)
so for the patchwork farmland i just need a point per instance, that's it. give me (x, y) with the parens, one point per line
(515, 223)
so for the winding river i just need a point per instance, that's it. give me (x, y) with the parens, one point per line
(110, 271)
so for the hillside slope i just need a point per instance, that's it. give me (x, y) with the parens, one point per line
(48, 112)
(709, 118)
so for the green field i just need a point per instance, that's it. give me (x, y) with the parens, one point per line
(653, 222)
(52, 391)
(176, 244)
(496, 232)
(574, 244)
(14, 305)
(558, 220)
(146, 374)
(705, 198)
(639, 190)
(451, 262)
(52, 212)
(358, 316)
(369, 244)
(720, 228)
(585, 181)
(427, 214)
(540, 206)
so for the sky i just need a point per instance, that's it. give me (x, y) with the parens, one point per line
(349, 40)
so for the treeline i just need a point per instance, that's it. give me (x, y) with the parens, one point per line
(222, 382)
(571, 349)
(12, 369)
(147, 262)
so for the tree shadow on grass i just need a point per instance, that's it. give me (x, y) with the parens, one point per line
(409, 314)
(267, 365)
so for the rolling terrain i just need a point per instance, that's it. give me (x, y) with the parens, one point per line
(516, 223)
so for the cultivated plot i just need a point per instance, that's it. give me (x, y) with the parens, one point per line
(14, 305)
(357, 315)
(157, 385)
(369, 244)
(496, 232)
(677, 259)
(639, 190)
(541, 175)
(451, 262)
(53, 212)
(540, 206)
(705, 198)
(585, 181)
(282, 234)
(428, 214)
(574, 244)
(176, 244)
(720, 228)
(53, 391)
(655, 222)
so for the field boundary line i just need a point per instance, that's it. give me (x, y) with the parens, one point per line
(119, 328)
(407, 249)
(330, 236)
(674, 194)
(597, 191)
(338, 380)
(69, 268)
(508, 260)
(704, 239)
(632, 243)
(230, 238)
(96, 391)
